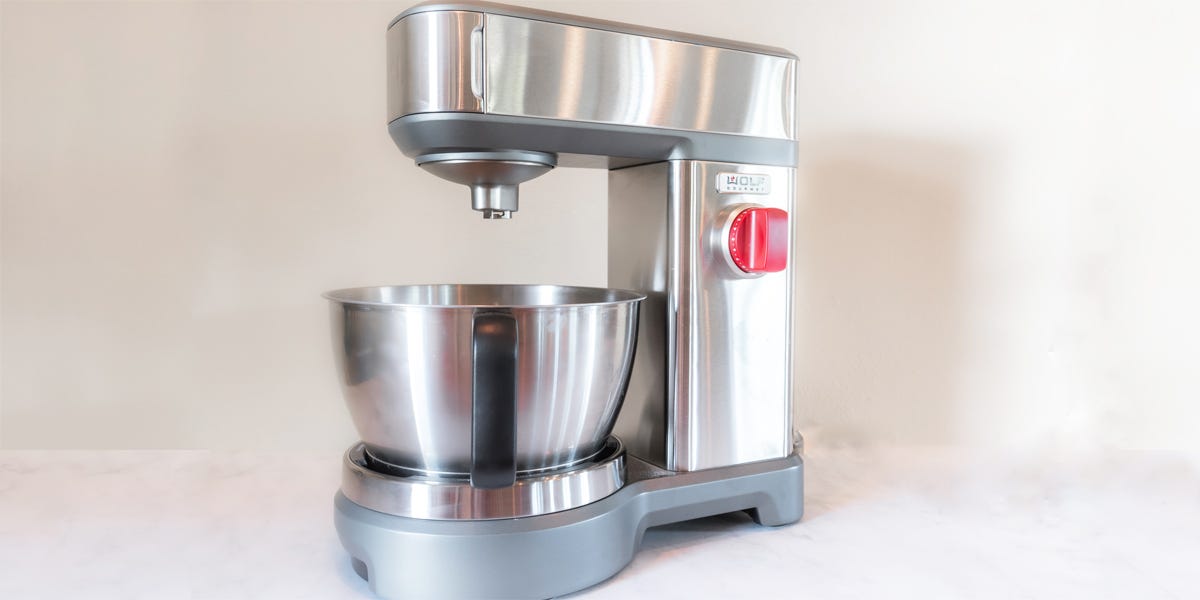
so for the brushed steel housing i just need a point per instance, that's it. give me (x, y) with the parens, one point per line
(477, 76)
(529, 64)
(711, 385)
(431, 63)
(541, 69)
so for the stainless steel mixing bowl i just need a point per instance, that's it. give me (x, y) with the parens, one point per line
(485, 381)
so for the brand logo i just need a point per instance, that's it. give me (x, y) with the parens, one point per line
(743, 183)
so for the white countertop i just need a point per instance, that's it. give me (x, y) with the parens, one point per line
(898, 523)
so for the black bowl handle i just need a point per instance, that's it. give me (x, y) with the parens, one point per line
(493, 400)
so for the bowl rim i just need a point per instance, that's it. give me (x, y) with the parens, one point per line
(357, 296)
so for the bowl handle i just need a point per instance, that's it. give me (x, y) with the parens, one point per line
(493, 400)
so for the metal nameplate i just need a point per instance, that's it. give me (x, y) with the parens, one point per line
(743, 183)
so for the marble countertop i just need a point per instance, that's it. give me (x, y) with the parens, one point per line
(882, 523)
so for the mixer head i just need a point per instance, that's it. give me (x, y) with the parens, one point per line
(492, 175)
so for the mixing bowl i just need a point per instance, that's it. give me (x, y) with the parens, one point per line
(490, 382)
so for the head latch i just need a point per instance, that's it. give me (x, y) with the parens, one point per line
(493, 176)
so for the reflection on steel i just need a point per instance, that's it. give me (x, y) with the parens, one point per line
(405, 358)
(438, 61)
(711, 384)
(454, 498)
(430, 63)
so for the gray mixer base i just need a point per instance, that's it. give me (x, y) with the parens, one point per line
(558, 553)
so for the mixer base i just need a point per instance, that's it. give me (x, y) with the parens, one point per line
(558, 553)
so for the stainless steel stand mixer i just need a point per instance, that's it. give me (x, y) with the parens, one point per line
(514, 443)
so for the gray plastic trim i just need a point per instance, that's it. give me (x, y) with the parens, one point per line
(554, 554)
(428, 133)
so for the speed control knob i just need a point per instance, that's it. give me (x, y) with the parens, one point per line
(758, 240)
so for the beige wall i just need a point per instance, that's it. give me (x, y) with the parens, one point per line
(997, 217)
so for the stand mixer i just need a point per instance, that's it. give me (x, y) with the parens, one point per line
(514, 443)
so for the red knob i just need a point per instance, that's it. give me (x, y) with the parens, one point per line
(758, 240)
